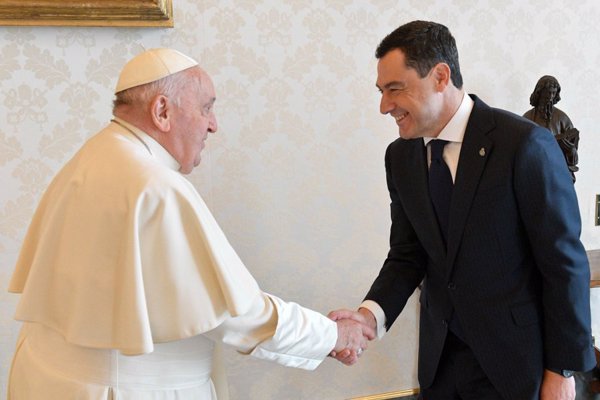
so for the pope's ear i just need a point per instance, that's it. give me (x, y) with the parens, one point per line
(160, 111)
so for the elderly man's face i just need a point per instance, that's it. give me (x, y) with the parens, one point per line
(193, 120)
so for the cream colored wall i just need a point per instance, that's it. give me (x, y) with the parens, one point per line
(295, 174)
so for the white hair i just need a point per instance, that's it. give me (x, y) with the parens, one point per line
(171, 86)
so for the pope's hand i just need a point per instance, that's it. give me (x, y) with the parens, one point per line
(354, 332)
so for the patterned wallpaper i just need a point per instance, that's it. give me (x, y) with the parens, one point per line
(295, 174)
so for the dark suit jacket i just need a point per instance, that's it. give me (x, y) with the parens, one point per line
(515, 272)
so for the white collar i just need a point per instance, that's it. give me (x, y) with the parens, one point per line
(454, 131)
(154, 148)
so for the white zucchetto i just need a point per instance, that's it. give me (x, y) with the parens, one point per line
(152, 65)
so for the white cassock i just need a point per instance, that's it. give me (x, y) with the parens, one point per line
(127, 282)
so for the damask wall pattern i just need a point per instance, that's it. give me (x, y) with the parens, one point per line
(295, 173)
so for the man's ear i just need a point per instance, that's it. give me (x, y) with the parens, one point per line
(441, 74)
(160, 110)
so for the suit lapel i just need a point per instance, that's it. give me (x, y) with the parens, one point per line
(475, 151)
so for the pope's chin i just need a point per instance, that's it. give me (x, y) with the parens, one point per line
(189, 167)
(197, 160)
(185, 171)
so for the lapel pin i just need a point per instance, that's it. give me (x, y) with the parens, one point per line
(482, 152)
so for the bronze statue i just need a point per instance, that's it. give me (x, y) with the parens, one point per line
(545, 95)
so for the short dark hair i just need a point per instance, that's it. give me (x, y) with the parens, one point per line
(546, 81)
(424, 45)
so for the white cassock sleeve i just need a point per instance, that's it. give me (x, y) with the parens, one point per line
(278, 331)
(123, 253)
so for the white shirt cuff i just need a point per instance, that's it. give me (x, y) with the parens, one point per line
(378, 314)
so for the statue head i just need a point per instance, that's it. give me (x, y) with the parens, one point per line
(548, 86)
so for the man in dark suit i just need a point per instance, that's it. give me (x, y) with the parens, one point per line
(504, 277)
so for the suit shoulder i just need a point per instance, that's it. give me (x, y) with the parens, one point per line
(506, 126)
(508, 118)
(515, 132)
(498, 118)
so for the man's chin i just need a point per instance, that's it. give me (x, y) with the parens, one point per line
(405, 135)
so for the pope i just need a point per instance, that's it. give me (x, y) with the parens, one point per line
(127, 281)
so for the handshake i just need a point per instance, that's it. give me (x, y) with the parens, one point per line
(355, 329)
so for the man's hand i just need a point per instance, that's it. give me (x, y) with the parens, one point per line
(354, 331)
(362, 316)
(557, 387)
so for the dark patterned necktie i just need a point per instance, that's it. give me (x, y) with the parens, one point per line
(440, 185)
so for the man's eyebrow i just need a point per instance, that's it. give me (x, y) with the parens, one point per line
(390, 84)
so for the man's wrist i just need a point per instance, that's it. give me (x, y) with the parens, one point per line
(378, 314)
(369, 317)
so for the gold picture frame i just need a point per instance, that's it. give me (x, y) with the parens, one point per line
(135, 13)
(390, 395)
